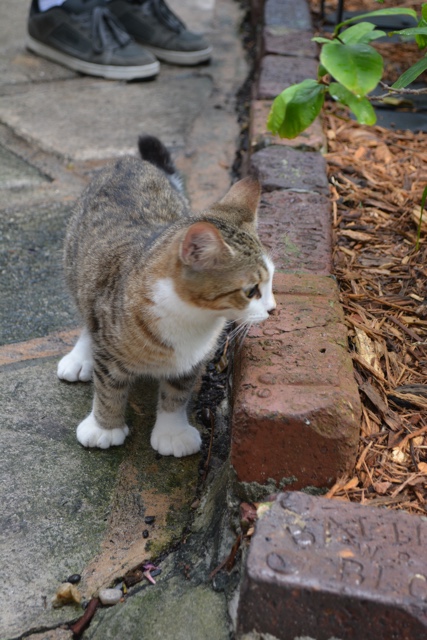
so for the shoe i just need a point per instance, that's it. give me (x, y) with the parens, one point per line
(158, 29)
(85, 36)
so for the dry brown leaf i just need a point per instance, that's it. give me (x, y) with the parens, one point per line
(422, 467)
(366, 349)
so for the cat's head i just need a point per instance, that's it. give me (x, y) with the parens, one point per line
(223, 266)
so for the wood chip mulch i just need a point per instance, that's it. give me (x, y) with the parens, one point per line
(377, 177)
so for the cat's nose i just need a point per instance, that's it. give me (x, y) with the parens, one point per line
(272, 306)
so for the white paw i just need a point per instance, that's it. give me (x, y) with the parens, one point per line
(78, 364)
(173, 436)
(90, 434)
(74, 368)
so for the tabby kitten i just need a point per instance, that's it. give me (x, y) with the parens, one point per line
(155, 285)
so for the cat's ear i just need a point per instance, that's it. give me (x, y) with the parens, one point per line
(245, 196)
(203, 247)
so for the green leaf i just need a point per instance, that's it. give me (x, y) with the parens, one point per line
(321, 71)
(362, 32)
(356, 66)
(374, 35)
(424, 12)
(413, 31)
(411, 74)
(361, 107)
(320, 40)
(296, 108)
(378, 13)
(421, 39)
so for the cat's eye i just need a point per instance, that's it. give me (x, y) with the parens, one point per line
(253, 291)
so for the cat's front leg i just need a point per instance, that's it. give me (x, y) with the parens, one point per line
(172, 434)
(91, 434)
(105, 425)
(78, 364)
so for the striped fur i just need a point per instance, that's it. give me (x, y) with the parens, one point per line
(155, 285)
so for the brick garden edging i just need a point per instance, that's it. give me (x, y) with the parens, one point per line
(325, 569)
(316, 568)
(296, 416)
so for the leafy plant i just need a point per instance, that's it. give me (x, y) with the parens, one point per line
(349, 70)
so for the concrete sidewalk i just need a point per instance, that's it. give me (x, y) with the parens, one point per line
(65, 509)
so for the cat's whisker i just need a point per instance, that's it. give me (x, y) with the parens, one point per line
(239, 333)
(242, 336)
(234, 332)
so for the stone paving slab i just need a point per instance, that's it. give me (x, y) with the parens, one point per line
(15, 173)
(190, 615)
(35, 300)
(102, 119)
(55, 495)
(62, 127)
(323, 569)
(72, 510)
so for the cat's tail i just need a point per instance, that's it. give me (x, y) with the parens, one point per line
(154, 151)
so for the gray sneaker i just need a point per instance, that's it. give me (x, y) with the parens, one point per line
(85, 36)
(159, 30)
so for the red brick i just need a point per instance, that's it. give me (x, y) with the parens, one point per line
(312, 139)
(279, 167)
(287, 13)
(296, 404)
(257, 11)
(279, 72)
(324, 569)
(287, 41)
(296, 229)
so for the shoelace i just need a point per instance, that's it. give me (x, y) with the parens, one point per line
(106, 31)
(161, 11)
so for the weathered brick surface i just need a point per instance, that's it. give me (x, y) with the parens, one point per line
(296, 229)
(279, 72)
(312, 139)
(279, 167)
(324, 569)
(287, 13)
(288, 41)
(296, 404)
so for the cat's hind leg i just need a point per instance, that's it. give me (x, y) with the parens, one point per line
(78, 364)
(172, 434)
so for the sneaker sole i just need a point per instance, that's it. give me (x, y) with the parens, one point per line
(184, 58)
(111, 72)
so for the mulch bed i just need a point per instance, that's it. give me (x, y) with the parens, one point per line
(377, 178)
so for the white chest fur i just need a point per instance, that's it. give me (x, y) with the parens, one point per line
(191, 331)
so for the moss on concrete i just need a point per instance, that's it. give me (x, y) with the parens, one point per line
(167, 610)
